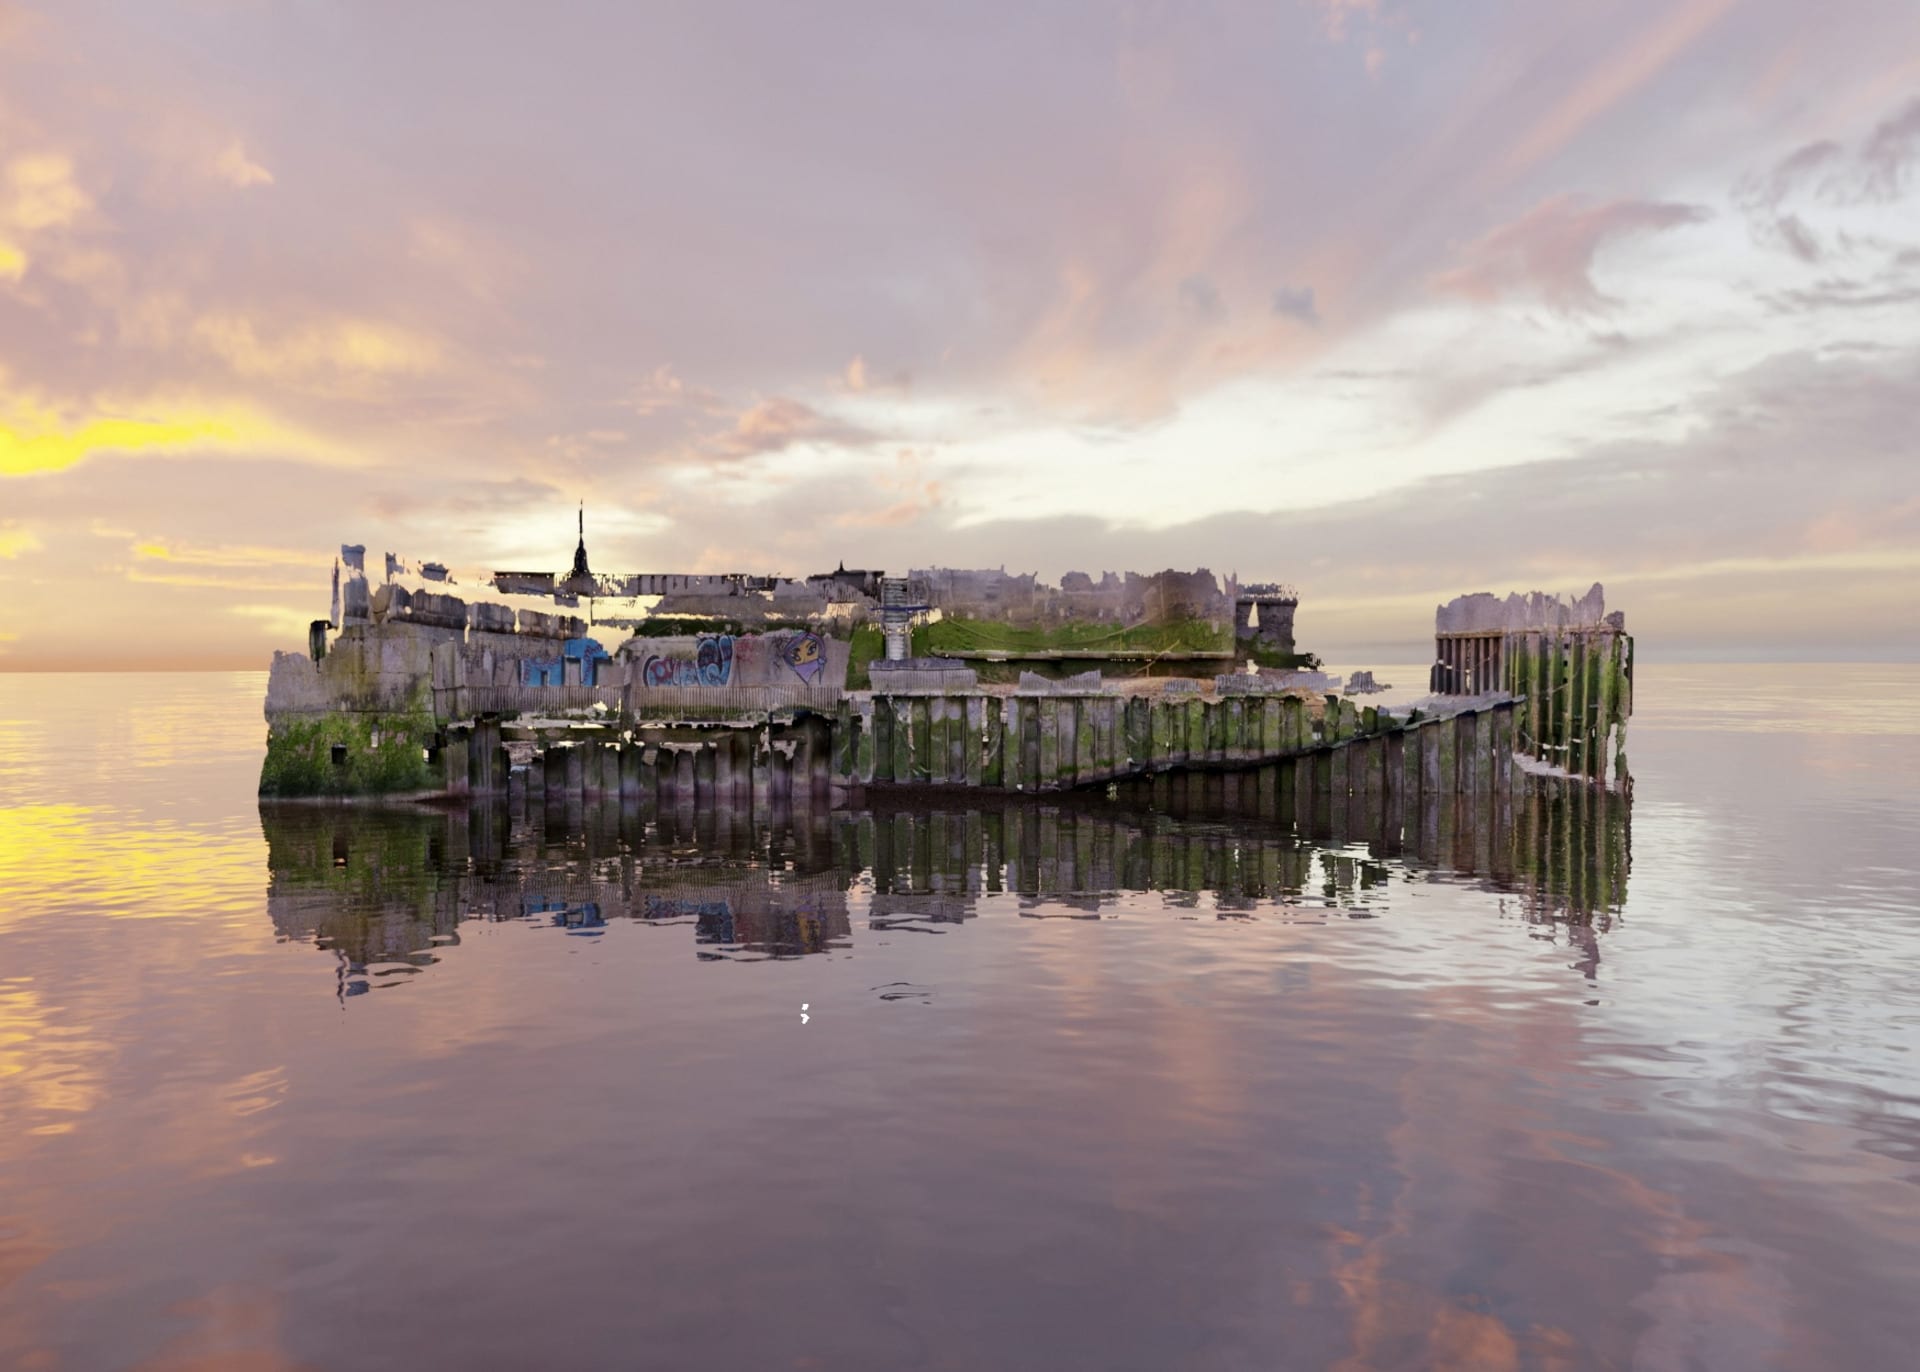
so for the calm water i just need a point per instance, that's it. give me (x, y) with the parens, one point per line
(1551, 1087)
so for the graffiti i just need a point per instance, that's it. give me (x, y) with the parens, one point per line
(712, 665)
(542, 671)
(806, 655)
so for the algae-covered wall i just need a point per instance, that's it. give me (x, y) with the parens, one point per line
(1073, 646)
(350, 753)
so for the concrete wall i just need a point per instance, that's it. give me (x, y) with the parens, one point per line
(789, 657)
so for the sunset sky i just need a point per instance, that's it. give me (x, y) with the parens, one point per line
(1389, 300)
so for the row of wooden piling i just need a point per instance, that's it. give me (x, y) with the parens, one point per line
(994, 743)
(740, 765)
(1577, 694)
(1051, 743)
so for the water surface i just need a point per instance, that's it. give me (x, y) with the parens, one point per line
(1554, 1085)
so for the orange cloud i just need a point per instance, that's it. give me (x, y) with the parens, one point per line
(235, 167)
(340, 346)
(41, 192)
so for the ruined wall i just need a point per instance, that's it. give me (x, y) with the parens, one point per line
(1265, 622)
(1130, 598)
(1484, 613)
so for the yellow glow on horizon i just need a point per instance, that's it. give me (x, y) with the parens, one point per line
(13, 262)
(14, 542)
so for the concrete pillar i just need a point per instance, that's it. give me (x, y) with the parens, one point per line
(1437, 758)
(1466, 753)
(704, 768)
(761, 770)
(1013, 732)
(1049, 775)
(978, 737)
(456, 764)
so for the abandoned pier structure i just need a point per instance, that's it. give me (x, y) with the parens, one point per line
(764, 692)
(1570, 665)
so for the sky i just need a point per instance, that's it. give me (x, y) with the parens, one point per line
(1389, 299)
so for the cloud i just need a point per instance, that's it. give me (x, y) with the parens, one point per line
(1763, 198)
(15, 539)
(228, 555)
(1602, 85)
(1890, 153)
(236, 168)
(1296, 302)
(1826, 174)
(1201, 299)
(315, 352)
(277, 621)
(1846, 293)
(664, 391)
(1337, 15)
(919, 494)
(772, 425)
(1104, 272)
(41, 193)
(24, 451)
(39, 198)
(1548, 253)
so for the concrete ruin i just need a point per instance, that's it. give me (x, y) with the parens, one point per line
(833, 682)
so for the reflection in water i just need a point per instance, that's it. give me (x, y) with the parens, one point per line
(1198, 1083)
(387, 890)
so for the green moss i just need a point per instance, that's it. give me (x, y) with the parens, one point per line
(299, 759)
(868, 643)
(981, 635)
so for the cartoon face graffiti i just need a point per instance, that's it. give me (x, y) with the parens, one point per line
(806, 655)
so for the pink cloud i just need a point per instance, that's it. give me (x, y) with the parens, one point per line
(1549, 251)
